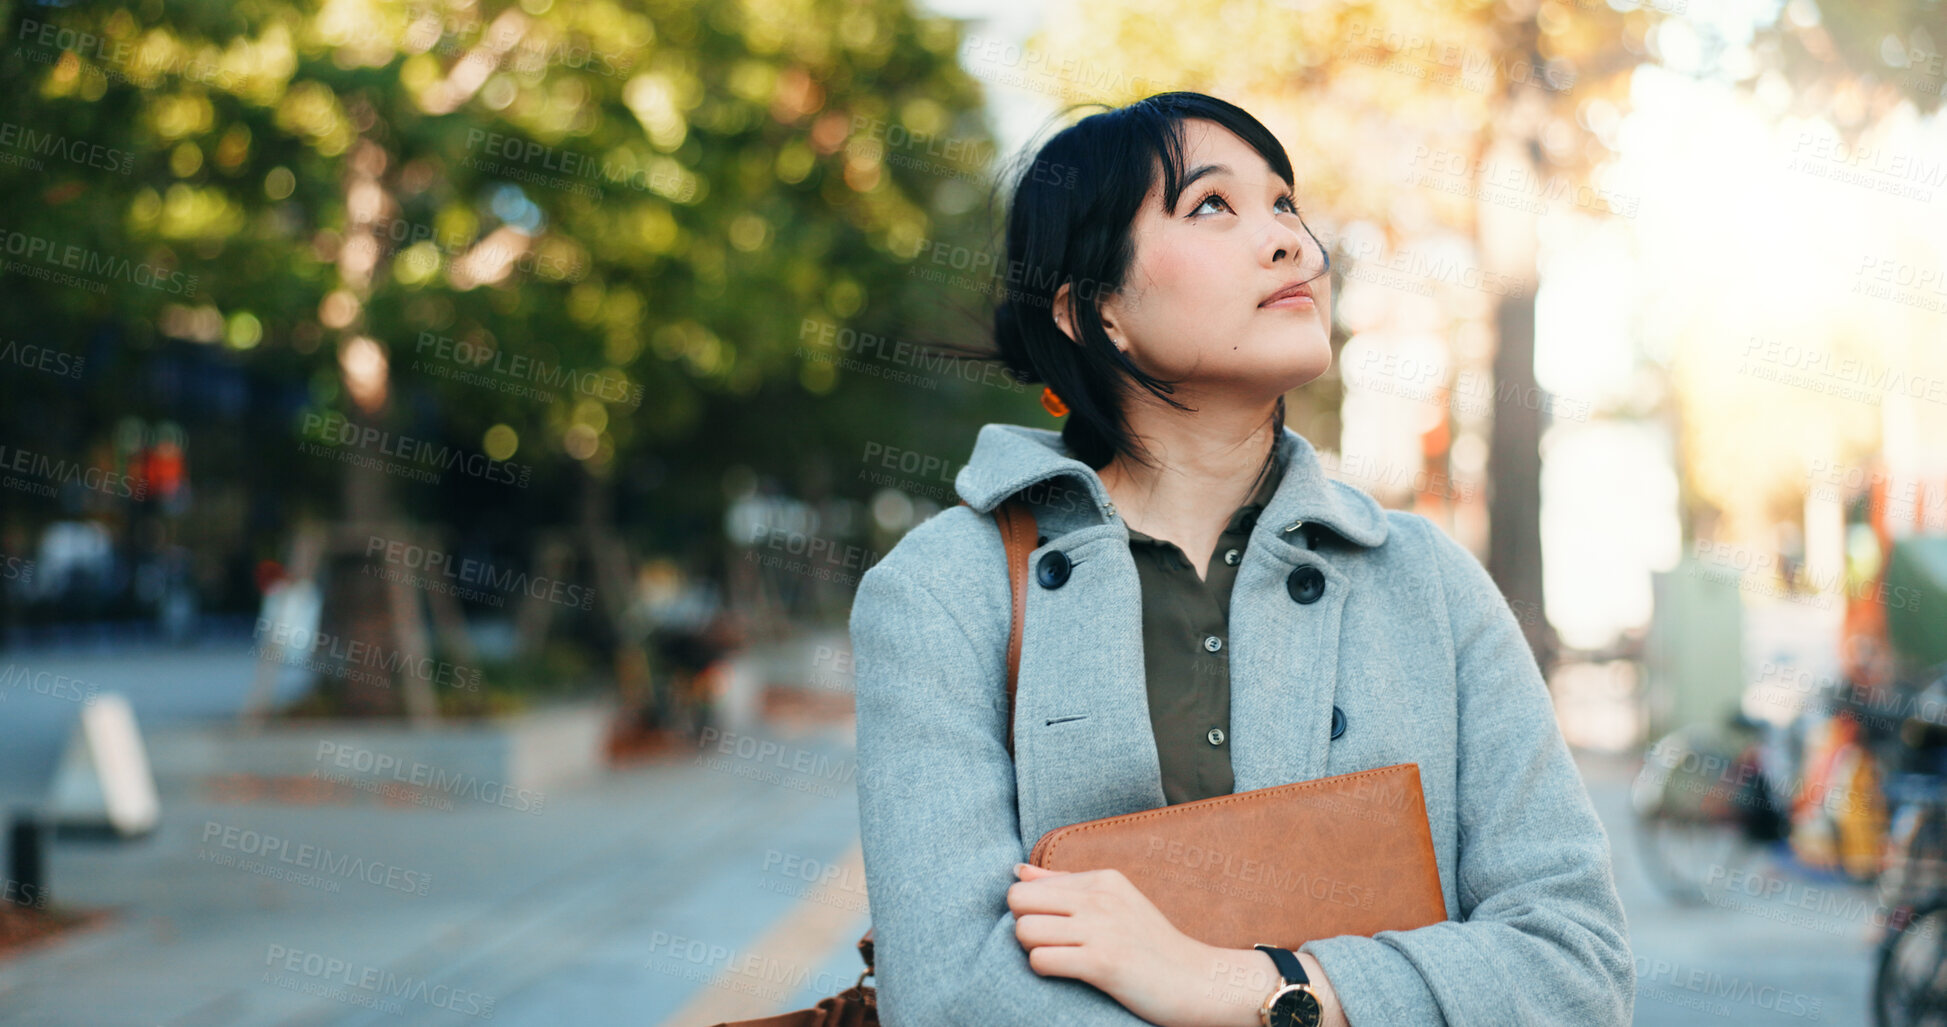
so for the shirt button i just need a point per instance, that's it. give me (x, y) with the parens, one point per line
(1216, 736)
(1231, 557)
(1212, 643)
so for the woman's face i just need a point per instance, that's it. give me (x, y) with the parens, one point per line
(1194, 305)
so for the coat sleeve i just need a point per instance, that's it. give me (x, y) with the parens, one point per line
(938, 824)
(1541, 936)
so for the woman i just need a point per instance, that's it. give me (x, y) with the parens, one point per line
(1207, 613)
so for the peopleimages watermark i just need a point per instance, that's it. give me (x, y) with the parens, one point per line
(1731, 562)
(893, 135)
(334, 435)
(16, 568)
(122, 61)
(25, 470)
(1706, 777)
(1472, 391)
(326, 653)
(512, 373)
(22, 893)
(814, 556)
(35, 250)
(1003, 62)
(1827, 910)
(42, 358)
(801, 877)
(228, 838)
(428, 777)
(1795, 688)
(532, 52)
(1873, 167)
(1827, 480)
(563, 168)
(1707, 985)
(806, 770)
(26, 144)
(1836, 374)
(1370, 472)
(375, 987)
(989, 275)
(1514, 185)
(466, 577)
(826, 337)
(1252, 878)
(720, 966)
(47, 683)
(1890, 278)
(1415, 55)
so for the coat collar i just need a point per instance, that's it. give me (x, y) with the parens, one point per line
(1009, 458)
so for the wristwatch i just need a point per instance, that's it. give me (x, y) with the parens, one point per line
(1293, 1004)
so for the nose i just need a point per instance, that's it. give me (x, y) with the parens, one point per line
(1279, 243)
(1284, 242)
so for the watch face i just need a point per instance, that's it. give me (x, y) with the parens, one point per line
(1296, 1009)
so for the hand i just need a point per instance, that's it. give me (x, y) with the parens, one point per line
(1095, 926)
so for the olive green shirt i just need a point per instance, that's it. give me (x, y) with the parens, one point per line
(1186, 651)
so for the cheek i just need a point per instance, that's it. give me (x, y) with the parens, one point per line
(1187, 289)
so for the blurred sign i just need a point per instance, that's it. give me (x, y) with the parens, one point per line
(104, 778)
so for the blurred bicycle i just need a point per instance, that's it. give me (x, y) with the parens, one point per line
(1705, 804)
(1910, 975)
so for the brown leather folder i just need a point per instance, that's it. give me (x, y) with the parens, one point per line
(1347, 854)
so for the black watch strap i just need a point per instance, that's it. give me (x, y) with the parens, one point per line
(1288, 965)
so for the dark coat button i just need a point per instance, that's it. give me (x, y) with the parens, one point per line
(1053, 569)
(1306, 584)
(1338, 722)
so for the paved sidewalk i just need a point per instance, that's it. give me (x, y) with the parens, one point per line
(600, 908)
(1801, 954)
(724, 884)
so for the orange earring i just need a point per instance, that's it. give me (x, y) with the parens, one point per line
(1052, 403)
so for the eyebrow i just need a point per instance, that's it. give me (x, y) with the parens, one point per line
(1190, 179)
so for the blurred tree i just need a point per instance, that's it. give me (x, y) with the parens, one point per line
(1874, 55)
(523, 247)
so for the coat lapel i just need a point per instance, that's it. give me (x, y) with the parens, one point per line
(1084, 745)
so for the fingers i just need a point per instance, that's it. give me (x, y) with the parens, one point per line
(1047, 929)
(1024, 897)
(1062, 961)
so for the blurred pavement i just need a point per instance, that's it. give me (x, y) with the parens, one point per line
(721, 882)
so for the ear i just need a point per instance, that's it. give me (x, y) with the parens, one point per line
(1064, 317)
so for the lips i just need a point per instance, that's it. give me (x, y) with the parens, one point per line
(1294, 289)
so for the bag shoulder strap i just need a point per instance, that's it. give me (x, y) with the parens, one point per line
(1017, 534)
(1018, 537)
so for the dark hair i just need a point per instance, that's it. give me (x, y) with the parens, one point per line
(1072, 211)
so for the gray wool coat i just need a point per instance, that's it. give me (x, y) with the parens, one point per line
(1411, 639)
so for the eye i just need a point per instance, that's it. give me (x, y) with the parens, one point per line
(1290, 202)
(1207, 197)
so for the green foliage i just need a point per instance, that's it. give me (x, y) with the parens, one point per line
(628, 208)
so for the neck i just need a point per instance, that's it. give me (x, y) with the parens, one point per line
(1207, 465)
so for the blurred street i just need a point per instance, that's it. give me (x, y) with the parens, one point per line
(705, 887)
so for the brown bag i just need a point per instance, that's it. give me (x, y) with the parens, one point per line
(1347, 854)
(858, 1005)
